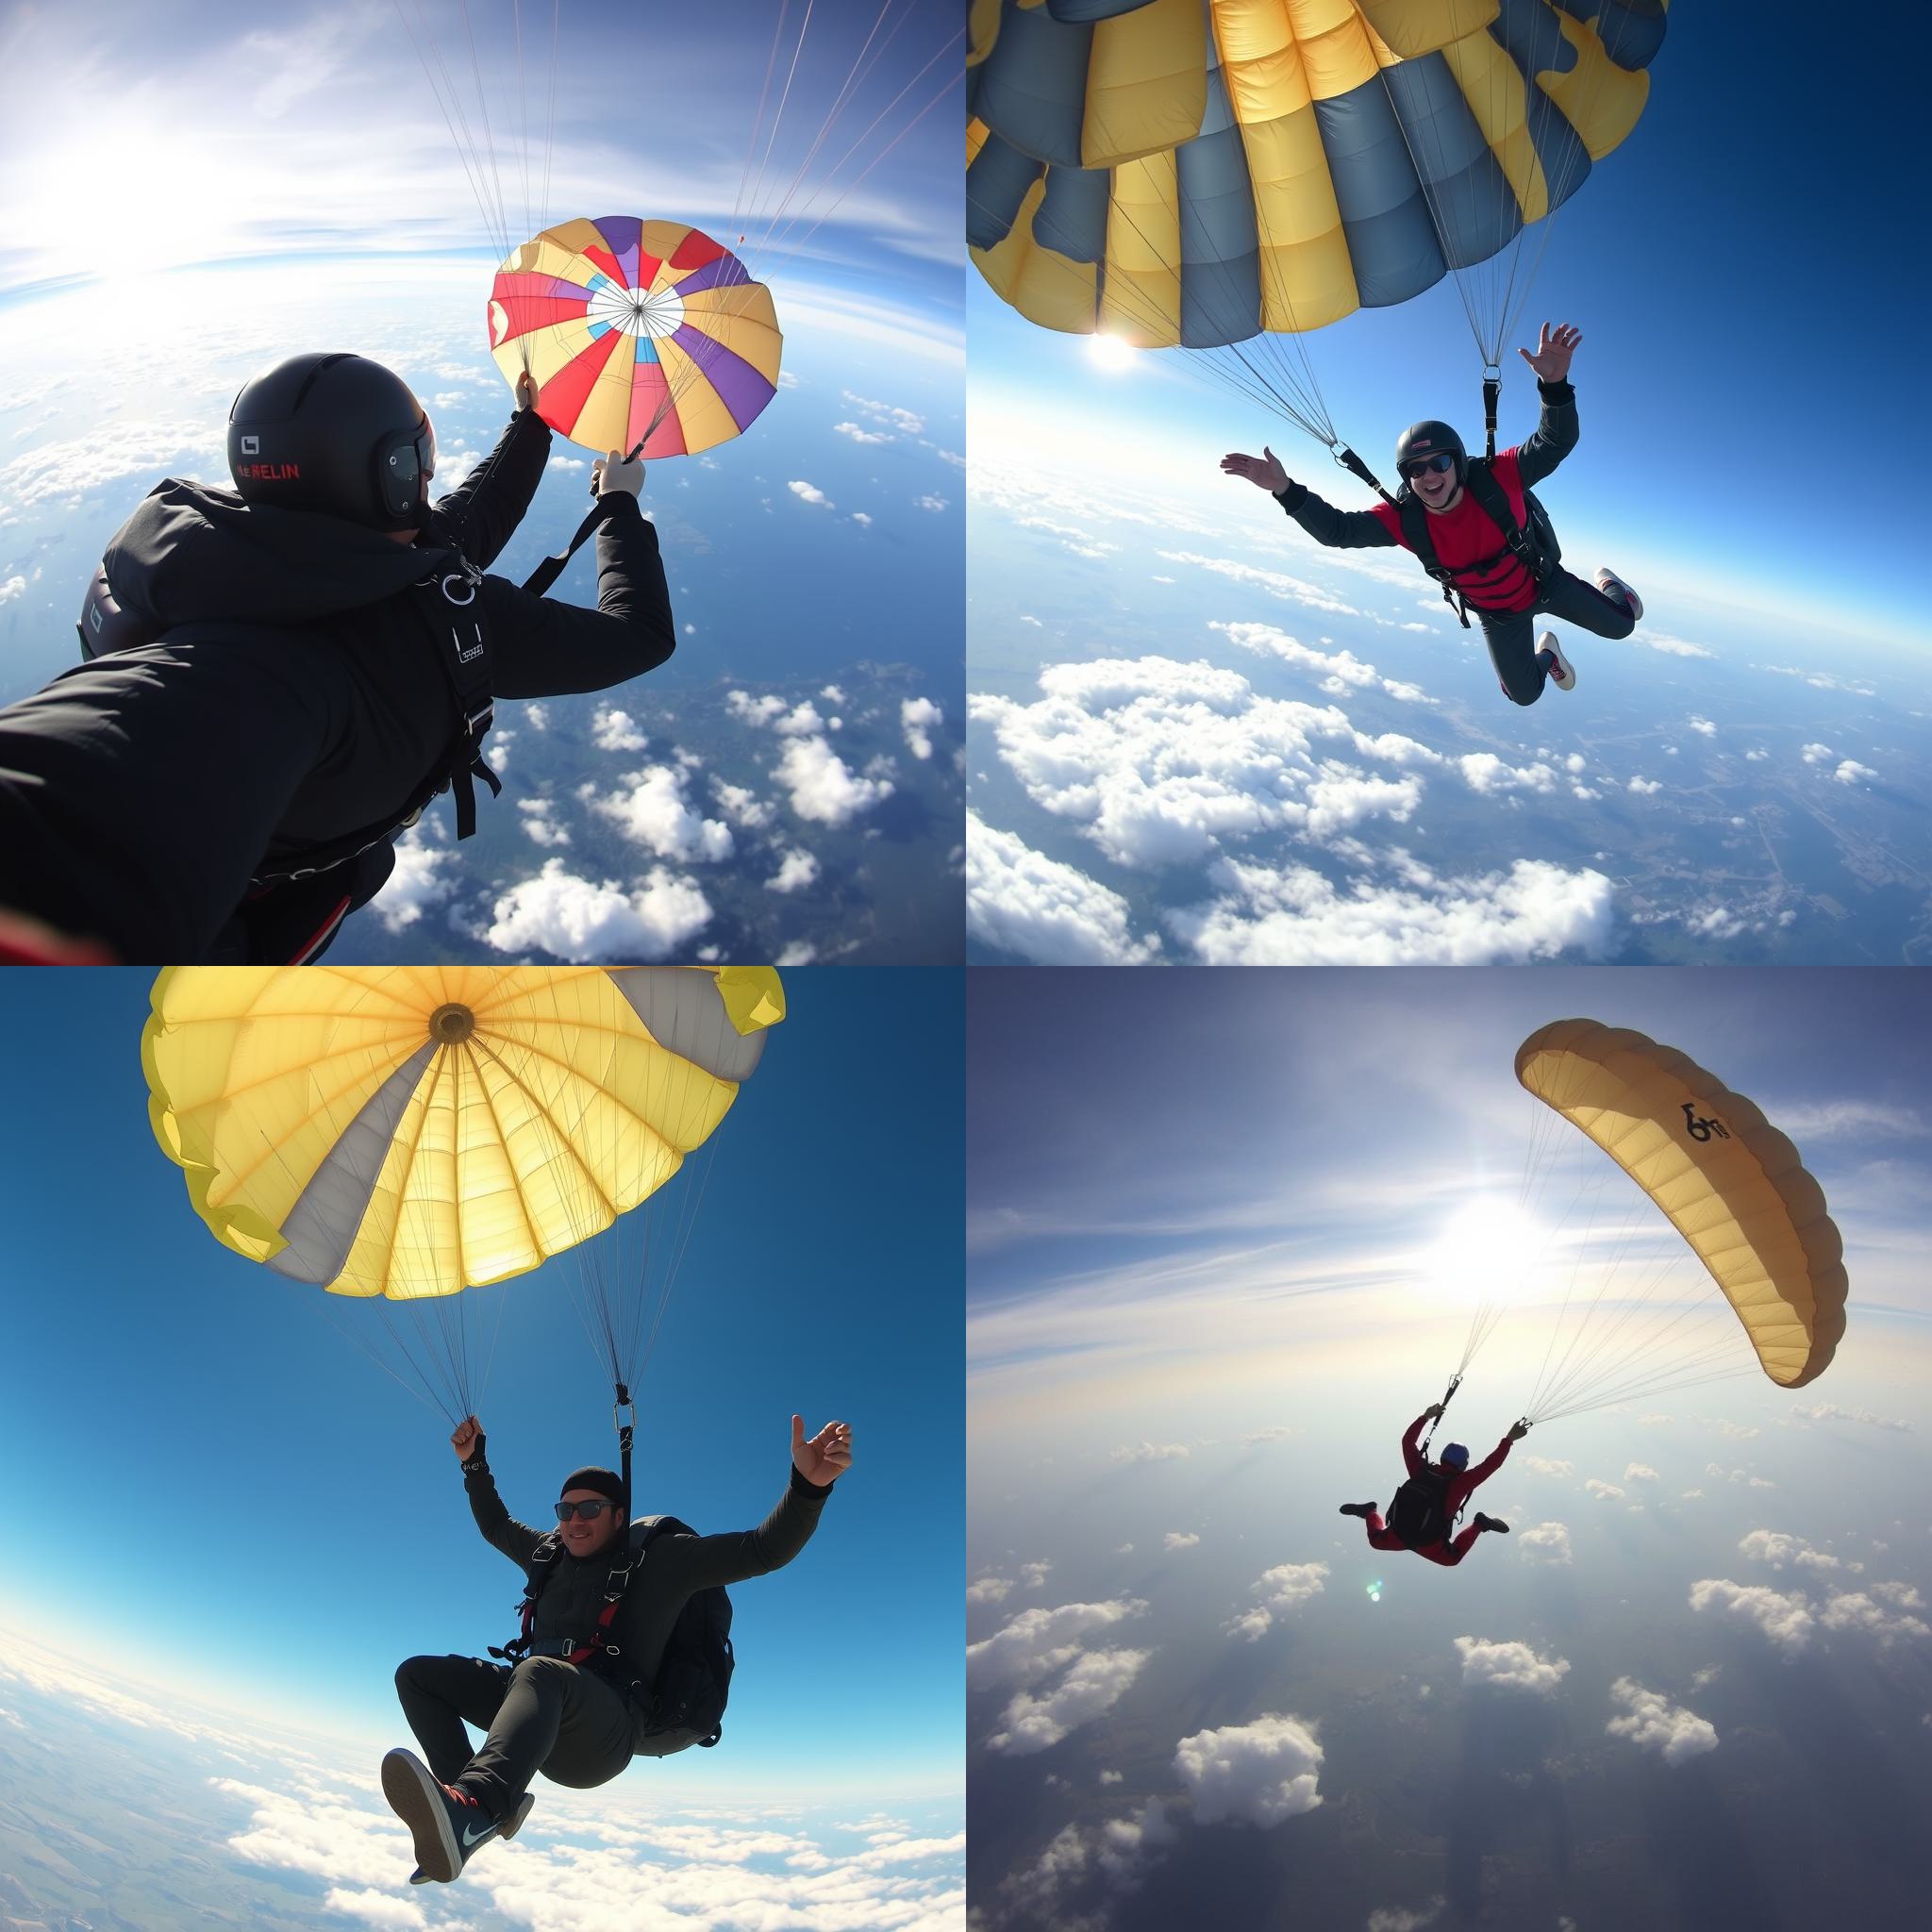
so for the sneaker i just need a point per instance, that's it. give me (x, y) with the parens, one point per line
(1614, 586)
(447, 1823)
(1358, 1510)
(1483, 1522)
(1562, 672)
(508, 1828)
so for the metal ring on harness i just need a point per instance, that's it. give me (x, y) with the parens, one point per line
(468, 583)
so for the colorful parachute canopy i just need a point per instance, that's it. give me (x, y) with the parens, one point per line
(409, 1131)
(636, 332)
(1194, 172)
(1728, 1181)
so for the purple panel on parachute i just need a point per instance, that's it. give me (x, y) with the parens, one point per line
(740, 388)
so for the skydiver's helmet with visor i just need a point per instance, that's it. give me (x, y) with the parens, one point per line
(336, 433)
(1455, 1455)
(1420, 442)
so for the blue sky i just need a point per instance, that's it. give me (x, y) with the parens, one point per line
(275, 1523)
(1258, 1140)
(1748, 299)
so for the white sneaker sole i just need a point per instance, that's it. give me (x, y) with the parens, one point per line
(1565, 675)
(1604, 578)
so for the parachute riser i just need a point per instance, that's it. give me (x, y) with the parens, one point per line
(1448, 1397)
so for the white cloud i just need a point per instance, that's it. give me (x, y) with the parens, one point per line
(740, 704)
(1852, 772)
(1180, 1539)
(1259, 1773)
(920, 718)
(1090, 1687)
(1038, 1642)
(1150, 1452)
(654, 813)
(822, 788)
(810, 494)
(1042, 911)
(1295, 916)
(1484, 771)
(1655, 1725)
(613, 730)
(796, 871)
(582, 921)
(1786, 1621)
(1863, 1611)
(1545, 1542)
(1777, 1549)
(1509, 1665)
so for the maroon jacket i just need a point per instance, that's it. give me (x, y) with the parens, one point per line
(1459, 1486)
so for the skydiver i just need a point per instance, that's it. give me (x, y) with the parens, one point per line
(1487, 576)
(285, 674)
(574, 1710)
(1436, 1494)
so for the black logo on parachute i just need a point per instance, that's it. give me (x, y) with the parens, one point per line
(1704, 1129)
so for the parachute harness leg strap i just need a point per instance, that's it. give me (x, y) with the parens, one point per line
(1493, 394)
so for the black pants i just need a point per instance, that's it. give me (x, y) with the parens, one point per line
(1512, 634)
(544, 1715)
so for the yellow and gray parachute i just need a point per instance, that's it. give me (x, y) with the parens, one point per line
(410, 1131)
(1726, 1179)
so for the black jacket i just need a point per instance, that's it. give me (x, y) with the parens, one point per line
(298, 696)
(674, 1569)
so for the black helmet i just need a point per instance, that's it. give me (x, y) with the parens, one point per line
(1430, 439)
(335, 433)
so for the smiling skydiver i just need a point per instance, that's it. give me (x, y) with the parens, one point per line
(282, 677)
(1478, 531)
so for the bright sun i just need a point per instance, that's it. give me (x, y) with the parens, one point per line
(1486, 1252)
(1110, 354)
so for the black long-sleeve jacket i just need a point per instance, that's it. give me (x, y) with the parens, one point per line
(674, 1569)
(299, 696)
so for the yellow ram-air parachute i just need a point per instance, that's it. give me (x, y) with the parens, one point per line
(410, 1131)
(1728, 1181)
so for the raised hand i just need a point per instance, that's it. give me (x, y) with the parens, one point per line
(1554, 351)
(827, 1457)
(468, 1440)
(1264, 470)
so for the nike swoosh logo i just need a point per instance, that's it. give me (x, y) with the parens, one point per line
(476, 1837)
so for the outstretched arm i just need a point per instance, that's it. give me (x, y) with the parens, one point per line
(816, 1465)
(1412, 1452)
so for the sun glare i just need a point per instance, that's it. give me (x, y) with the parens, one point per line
(1486, 1252)
(1110, 354)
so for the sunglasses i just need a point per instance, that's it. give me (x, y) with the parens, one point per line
(589, 1511)
(1433, 466)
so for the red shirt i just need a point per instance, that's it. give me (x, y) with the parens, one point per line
(1464, 536)
(1459, 1485)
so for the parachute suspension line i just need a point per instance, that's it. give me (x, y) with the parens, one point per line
(945, 89)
